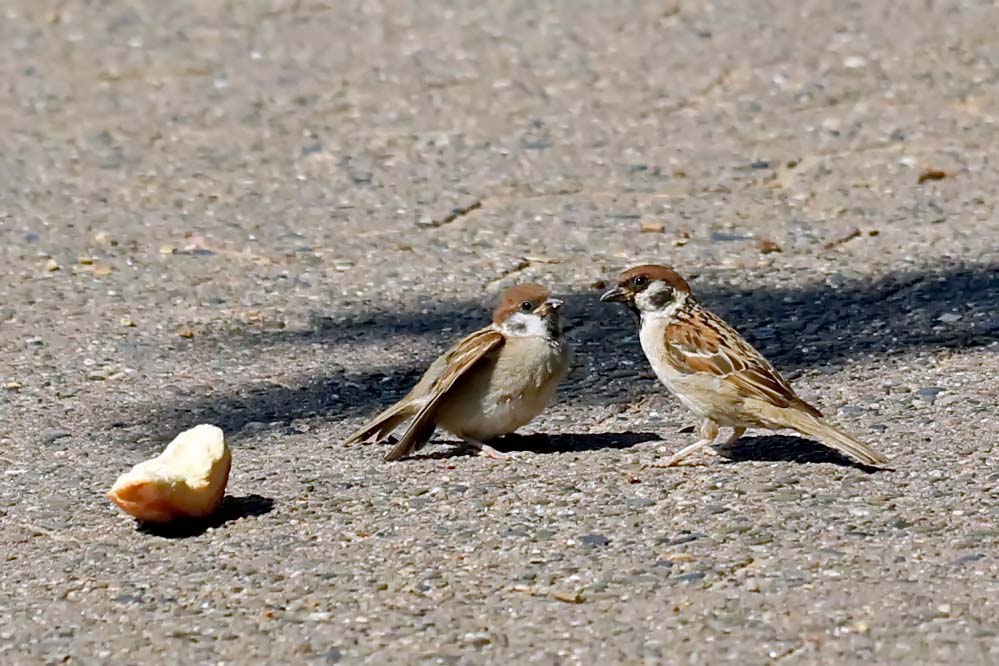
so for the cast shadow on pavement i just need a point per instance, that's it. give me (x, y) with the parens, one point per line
(543, 444)
(232, 508)
(819, 326)
(785, 448)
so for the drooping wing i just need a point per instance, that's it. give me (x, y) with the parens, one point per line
(458, 361)
(701, 342)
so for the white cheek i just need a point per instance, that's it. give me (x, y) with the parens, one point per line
(644, 301)
(644, 298)
(524, 324)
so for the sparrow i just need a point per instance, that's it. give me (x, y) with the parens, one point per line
(714, 371)
(489, 384)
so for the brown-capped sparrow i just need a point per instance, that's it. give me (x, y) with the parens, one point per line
(713, 370)
(489, 384)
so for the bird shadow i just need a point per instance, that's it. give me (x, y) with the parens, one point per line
(788, 448)
(572, 442)
(817, 326)
(232, 508)
(545, 444)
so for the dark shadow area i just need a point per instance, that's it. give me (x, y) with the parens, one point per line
(232, 508)
(818, 326)
(543, 443)
(578, 442)
(785, 448)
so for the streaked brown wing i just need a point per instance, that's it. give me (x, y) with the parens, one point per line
(461, 358)
(712, 346)
(457, 362)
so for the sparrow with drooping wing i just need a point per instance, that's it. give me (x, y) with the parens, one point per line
(714, 371)
(489, 384)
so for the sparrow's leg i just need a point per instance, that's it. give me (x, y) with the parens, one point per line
(725, 448)
(708, 432)
(487, 451)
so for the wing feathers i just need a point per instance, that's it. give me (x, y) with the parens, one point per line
(700, 342)
(458, 361)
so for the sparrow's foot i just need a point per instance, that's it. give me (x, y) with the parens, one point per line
(487, 451)
(726, 448)
(685, 452)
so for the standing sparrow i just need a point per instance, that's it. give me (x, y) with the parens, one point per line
(489, 384)
(713, 370)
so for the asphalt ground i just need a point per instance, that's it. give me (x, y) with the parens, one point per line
(271, 216)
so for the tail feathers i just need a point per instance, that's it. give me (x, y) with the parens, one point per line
(835, 438)
(380, 427)
(418, 433)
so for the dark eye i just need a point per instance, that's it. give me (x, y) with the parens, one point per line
(640, 281)
(526, 306)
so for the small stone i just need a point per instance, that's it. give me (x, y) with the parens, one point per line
(102, 270)
(85, 261)
(765, 246)
(728, 236)
(13, 386)
(594, 540)
(185, 332)
(126, 322)
(53, 436)
(931, 174)
(168, 249)
(682, 539)
(477, 639)
(949, 318)
(651, 227)
(691, 577)
(930, 393)
(51, 265)
(568, 597)
(680, 557)
(681, 240)
(988, 327)
(751, 585)
(854, 62)
(967, 559)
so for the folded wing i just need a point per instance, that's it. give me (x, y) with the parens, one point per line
(457, 363)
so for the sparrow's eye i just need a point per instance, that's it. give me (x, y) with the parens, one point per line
(526, 306)
(640, 281)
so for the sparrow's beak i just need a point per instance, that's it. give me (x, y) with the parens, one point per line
(548, 307)
(616, 295)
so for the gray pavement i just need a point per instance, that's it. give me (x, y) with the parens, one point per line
(271, 215)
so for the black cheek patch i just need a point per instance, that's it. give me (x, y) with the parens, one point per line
(517, 326)
(661, 298)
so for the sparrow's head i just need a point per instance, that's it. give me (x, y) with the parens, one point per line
(649, 288)
(528, 309)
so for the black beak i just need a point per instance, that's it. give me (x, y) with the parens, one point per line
(616, 295)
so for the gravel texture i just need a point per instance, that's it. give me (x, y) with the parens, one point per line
(272, 215)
